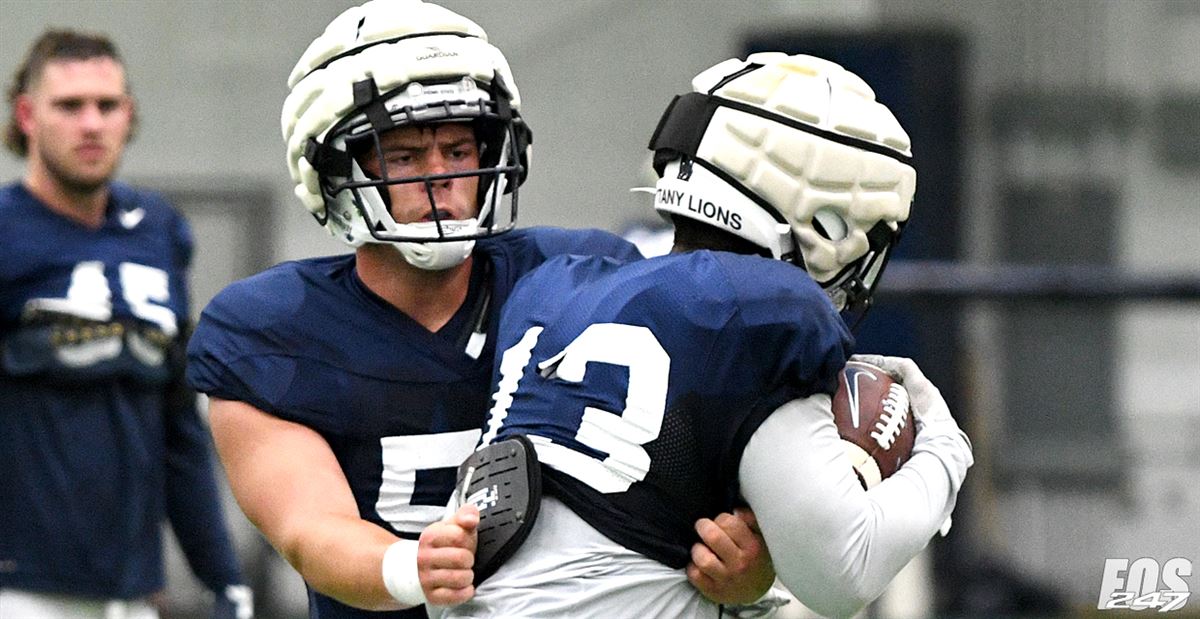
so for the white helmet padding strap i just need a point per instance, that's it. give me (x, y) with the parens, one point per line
(689, 189)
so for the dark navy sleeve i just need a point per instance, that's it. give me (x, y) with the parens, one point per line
(257, 340)
(223, 340)
(192, 501)
(780, 306)
(183, 247)
(193, 504)
(786, 333)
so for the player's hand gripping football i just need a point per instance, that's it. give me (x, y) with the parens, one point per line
(936, 429)
(929, 408)
(446, 556)
(731, 565)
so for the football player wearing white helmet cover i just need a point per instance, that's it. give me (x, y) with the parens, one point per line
(364, 78)
(345, 390)
(665, 390)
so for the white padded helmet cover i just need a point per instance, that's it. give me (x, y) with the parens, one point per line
(806, 177)
(443, 46)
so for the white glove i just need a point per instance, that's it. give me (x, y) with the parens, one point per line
(937, 432)
(929, 408)
(235, 602)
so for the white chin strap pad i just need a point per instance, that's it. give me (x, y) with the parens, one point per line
(698, 194)
(437, 256)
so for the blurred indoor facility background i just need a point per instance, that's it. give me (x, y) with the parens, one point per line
(1049, 282)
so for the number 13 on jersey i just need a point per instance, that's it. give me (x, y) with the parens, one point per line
(619, 434)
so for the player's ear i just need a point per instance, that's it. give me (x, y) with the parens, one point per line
(132, 110)
(23, 113)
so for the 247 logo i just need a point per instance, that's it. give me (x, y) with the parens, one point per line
(1135, 586)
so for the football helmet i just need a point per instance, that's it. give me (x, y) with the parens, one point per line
(388, 64)
(793, 154)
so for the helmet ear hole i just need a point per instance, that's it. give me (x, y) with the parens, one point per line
(829, 224)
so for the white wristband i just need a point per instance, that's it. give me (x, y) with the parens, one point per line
(400, 573)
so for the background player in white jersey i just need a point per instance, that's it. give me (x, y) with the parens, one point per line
(99, 436)
(661, 390)
(345, 390)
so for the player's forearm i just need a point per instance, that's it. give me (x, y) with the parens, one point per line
(836, 546)
(336, 552)
(341, 557)
(289, 484)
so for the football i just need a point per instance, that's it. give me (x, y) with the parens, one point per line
(872, 415)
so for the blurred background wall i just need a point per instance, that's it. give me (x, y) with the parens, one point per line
(1065, 324)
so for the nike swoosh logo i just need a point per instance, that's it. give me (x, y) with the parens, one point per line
(852, 375)
(130, 219)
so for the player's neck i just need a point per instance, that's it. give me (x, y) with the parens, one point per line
(83, 207)
(429, 297)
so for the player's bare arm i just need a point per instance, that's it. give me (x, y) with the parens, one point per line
(289, 484)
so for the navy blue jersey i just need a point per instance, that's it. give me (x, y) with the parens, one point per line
(99, 437)
(400, 406)
(640, 383)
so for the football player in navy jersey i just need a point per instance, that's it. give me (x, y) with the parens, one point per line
(345, 390)
(99, 435)
(659, 391)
